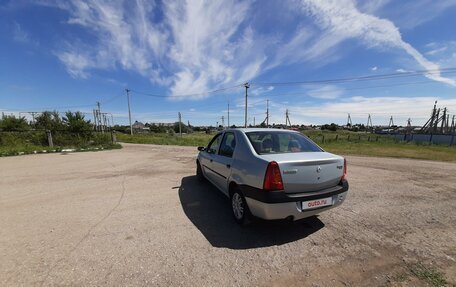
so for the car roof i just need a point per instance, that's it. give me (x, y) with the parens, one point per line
(246, 130)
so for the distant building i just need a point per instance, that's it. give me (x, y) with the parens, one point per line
(139, 127)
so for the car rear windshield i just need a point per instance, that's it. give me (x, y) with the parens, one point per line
(267, 142)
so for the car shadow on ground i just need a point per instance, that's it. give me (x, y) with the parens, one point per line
(210, 211)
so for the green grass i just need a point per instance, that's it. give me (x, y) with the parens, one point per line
(32, 149)
(366, 144)
(428, 274)
(397, 150)
(28, 142)
(347, 143)
(193, 139)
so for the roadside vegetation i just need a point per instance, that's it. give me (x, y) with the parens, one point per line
(340, 142)
(192, 139)
(69, 132)
(429, 274)
(367, 144)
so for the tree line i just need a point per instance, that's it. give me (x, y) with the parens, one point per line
(73, 122)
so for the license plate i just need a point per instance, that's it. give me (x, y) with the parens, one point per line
(317, 203)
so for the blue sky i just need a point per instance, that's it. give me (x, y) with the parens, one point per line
(70, 54)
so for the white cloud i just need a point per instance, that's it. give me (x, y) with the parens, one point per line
(326, 92)
(22, 36)
(124, 38)
(342, 18)
(436, 51)
(380, 108)
(411, 14)
(196, 46)
(374, 68)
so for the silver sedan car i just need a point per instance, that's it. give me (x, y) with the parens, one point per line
(273, 173)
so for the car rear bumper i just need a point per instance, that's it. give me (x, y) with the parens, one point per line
(280, 205)
(271, 211)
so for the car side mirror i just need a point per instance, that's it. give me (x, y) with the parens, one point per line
(201, 148)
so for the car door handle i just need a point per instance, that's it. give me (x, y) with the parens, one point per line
(211, 160)
(228, 165)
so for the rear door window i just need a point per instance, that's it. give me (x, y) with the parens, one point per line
(281, 142)
(214, 144)
(228, 145)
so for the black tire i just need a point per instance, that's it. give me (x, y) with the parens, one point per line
(199, 172)
(239, 208)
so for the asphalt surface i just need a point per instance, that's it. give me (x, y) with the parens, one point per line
(137, 216)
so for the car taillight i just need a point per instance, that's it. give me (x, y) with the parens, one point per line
(344, 175)
(272, 178)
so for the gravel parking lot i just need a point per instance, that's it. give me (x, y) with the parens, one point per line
(137, 216)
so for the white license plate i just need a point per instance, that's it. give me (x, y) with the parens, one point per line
(317, 203)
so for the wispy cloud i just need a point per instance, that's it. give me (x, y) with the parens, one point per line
(194, 46)
(326, 92)
(342, 18)
(22, 36)
(126, 38)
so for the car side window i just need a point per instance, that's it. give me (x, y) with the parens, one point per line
(214, 144)
(228, 145)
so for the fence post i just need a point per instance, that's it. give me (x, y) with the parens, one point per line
(348, 139)
(369, 138)
(430, 138)
(337, 136)
(49, 138)
(113, 137)
(359, 138)
(323, 139)
(452, 140)
(376, 139)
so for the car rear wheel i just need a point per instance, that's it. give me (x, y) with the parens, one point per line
(199, 172)
(239, 207)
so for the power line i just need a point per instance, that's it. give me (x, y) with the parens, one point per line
(187, 95)
(303, 93)
(360, 78)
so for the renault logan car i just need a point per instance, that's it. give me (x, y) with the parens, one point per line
(273, 173)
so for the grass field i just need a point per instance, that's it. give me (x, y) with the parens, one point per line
(193, 139)
(31, 142)
(340, 142)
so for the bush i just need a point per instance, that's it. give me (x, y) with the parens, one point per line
(11, 123)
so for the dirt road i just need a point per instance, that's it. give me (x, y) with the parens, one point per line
(137, 216)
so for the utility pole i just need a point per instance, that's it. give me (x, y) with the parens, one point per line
(391, 122)
(246, 85)
(436, 121)
(409, 126)
(267, 113)
(287, 119)
(253, 121)
(180, 124)
(369, 123)
(442, 126)
(33, 116)
(452, 126)
(101, 124)
(434, 110)
(95, 120)
(223, 121)
(129, 111)
(228, 114)
(349, 121)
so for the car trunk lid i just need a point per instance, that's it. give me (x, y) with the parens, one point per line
(308, 171)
